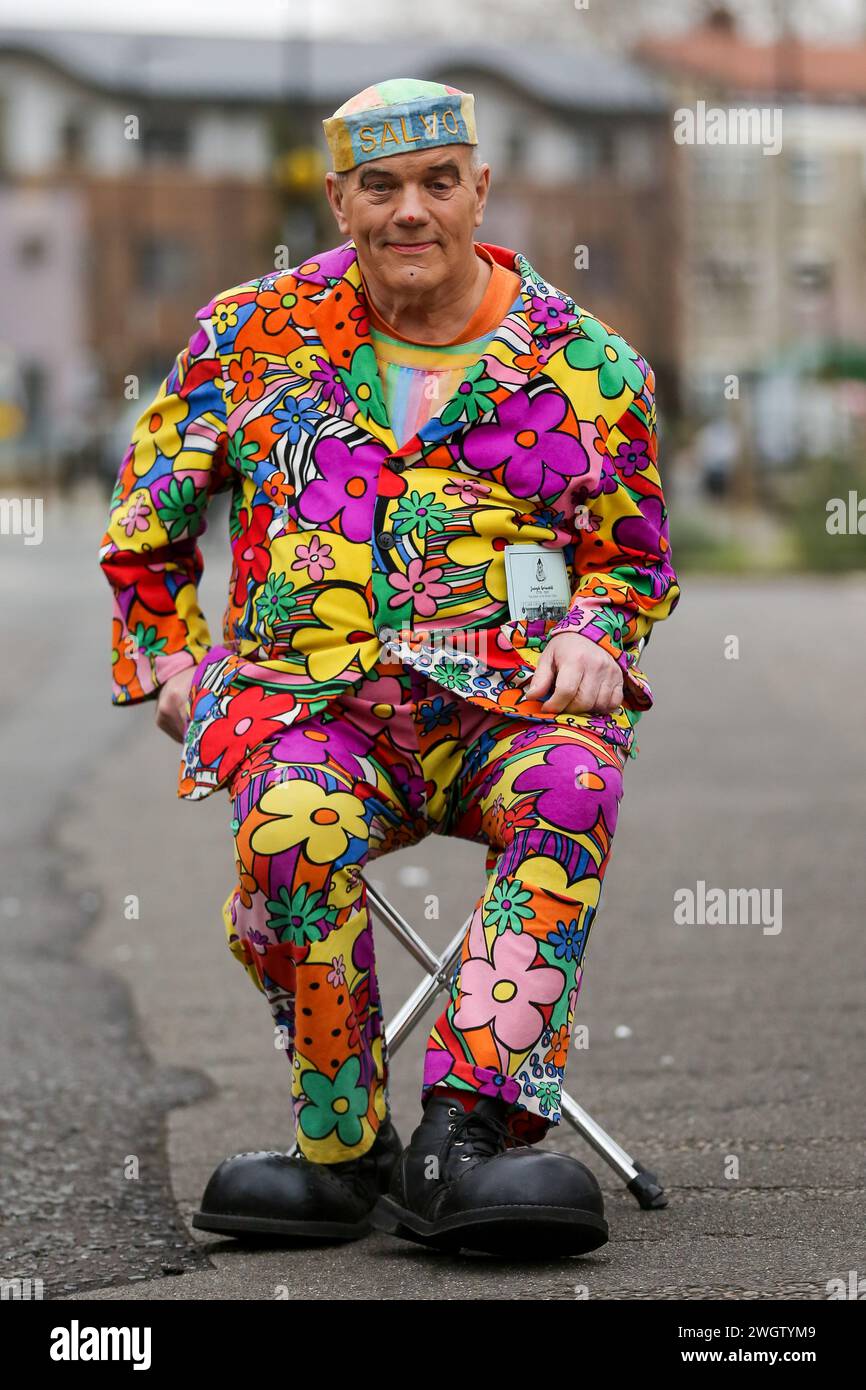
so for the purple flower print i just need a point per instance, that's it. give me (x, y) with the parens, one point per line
(437, 1065)
(573, 788)
(631, 455)
(332, 386)
(307, 744)
(552, 312)
(495, 1083)
(638, 539)
(347, 487)
(525, 438)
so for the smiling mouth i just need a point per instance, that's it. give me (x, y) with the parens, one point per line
(406, 247)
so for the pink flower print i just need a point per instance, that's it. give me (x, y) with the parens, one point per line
(584, 519)
(337, 974)
(467, 490)
(419, 587)
(315, 558)
(136, 516)
(506, 992)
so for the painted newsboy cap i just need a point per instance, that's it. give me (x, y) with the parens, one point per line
(399, 116)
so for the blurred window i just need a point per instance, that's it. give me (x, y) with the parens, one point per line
(807, 176)
(730, 173)
(164, 137)
(72, 142)
(515, 150)
(163, 264)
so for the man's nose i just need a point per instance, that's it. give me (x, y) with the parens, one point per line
(410, 208)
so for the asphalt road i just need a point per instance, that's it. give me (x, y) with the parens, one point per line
(727, 1058)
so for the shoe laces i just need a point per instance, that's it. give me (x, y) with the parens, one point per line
(483, 1130)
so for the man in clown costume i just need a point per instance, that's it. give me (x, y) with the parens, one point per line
(391, 417)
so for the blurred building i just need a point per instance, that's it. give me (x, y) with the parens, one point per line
(772, 270)
(140, 174)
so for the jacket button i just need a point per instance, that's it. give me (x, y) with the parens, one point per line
(398, 465)
(386, 539)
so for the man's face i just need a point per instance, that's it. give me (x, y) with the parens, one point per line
(411, 216)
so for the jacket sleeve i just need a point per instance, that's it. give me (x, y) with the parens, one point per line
(149, 554)
(622, 558)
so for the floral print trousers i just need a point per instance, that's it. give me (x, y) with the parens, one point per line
(380, 767)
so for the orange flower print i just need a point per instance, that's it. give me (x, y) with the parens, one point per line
(247, 376)
(558, 1047)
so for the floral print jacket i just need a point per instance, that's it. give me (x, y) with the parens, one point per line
(346, 546)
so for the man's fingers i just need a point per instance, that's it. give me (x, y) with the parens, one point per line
(580, 686)
(609, 695)
(584, 697)
(542, 677)
(569, 688)
(170, 718)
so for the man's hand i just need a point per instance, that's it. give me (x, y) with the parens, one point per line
(585, 677)
(171, 704)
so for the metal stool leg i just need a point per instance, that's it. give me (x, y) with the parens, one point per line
(643, 1184)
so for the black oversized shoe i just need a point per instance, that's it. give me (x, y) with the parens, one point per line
(269, 1193)
(458, 1184)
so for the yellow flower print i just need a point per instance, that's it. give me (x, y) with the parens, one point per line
(347, 629)
(157, 432)
(493, 524)
(540, 872)
(322, 821)
(225, 316)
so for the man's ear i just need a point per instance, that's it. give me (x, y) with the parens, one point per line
(482, 189)
(334, 189)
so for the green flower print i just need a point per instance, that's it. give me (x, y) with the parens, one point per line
(180, 507)
(548, 1094)
(612, 621)
(609, 355)
(363, 384)
(240, 454)
(452, 675)
(472, 397)
(506, 907)
(336, 1104)
(145, 640)
(420, 514)
(297, 918)
(274, 602)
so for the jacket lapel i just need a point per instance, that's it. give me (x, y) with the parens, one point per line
(340, 321)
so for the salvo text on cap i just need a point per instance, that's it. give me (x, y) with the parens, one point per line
(399, 116)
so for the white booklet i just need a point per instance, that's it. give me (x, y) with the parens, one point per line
(537, 582)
